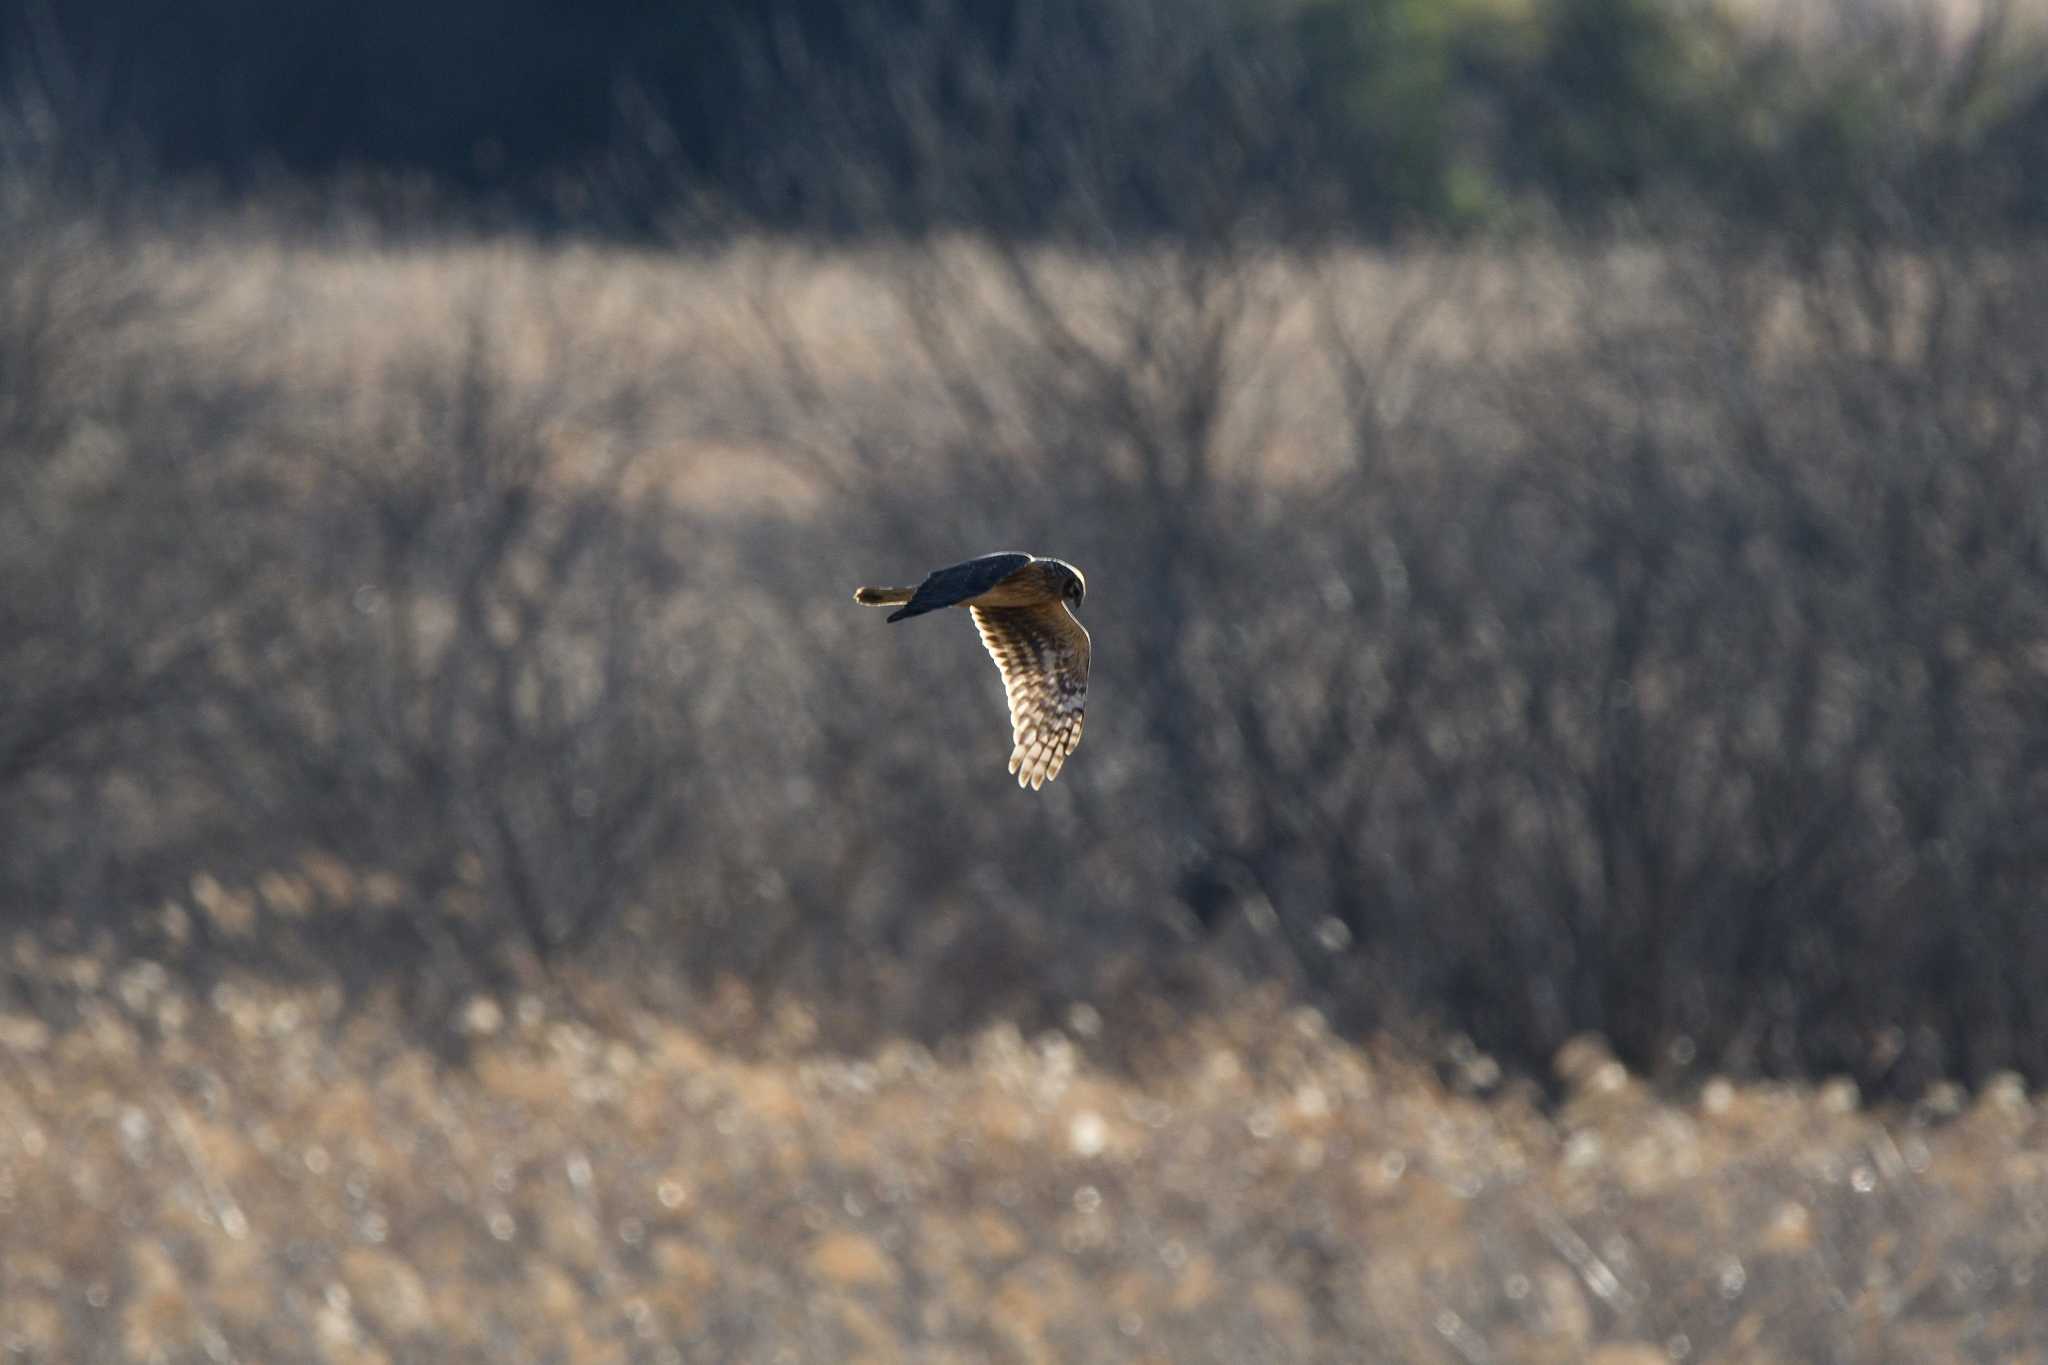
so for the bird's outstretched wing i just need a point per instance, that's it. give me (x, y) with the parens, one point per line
(1043, 655)
(951, 586)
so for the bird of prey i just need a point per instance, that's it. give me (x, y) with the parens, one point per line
(1023, 606)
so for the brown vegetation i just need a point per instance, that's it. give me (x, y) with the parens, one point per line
(477, 889)
(1640, 637)
(255, 1173)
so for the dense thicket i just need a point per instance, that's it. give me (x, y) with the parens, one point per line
(1638, 631)
(1643, 638)
(606, 114)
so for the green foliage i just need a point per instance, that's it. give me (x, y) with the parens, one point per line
(1453, 113)
(1449, 112)
(1382, 78)
(1131, 115)
(1609, 93)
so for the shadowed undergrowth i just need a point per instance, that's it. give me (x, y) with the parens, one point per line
(1636, 637)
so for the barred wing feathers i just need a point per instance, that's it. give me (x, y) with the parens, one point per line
(1043, 654)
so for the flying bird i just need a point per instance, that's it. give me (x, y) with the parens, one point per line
(1023, 607)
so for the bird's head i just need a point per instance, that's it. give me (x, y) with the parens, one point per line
(1073, 587)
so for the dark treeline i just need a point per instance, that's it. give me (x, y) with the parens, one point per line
(608, 114)
(468, 92)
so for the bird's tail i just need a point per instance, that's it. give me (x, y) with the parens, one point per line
(883, 597)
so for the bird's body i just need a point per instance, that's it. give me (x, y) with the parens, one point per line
(1023, 607)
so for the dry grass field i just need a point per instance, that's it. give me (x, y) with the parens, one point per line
(254, 1173)
(479, 891)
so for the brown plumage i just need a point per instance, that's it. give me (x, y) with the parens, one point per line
(1023, 607)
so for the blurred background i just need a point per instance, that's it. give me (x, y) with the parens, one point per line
(1562, 489)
